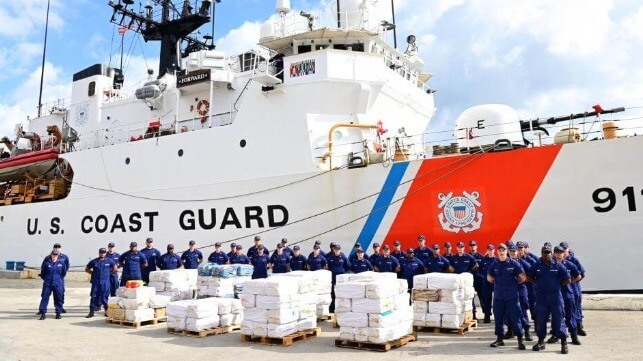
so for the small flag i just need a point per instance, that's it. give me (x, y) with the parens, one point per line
(122, 30)
(598, 109)
(470, 133)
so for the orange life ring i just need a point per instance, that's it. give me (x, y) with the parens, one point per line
(203, 107)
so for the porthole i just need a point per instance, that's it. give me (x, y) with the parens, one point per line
(242, 143)
(127, 160)
(180, 152)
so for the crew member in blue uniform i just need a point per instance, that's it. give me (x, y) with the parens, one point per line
(399, 255)
(152, 254)
(548, 276)
(353, 255)
(462, 263)
(113, 279)
(218, 256)
(260, 263)
(569, 300)
(523, 296)
(338, 264)
(487, 287)
(506, 274)
(361, 264)
(63, 257)
(376, 254)
(531, 292)
(331, 251)
(169, 260)
(52, 272)
(448, 253)
(422, 252)
(253, 250)
(386, 262)
(279, 262)
(528, 253)
(287, 250)
(569, 255)
(233, 250)
(478, 276)
(298, 261)
(316, 260)
(101, 269)
(238, 257)
(437, 263)
(192, 257)
(318, 243)
(132, 263)
(412, 267)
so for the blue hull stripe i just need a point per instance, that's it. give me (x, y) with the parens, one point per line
(381, 205)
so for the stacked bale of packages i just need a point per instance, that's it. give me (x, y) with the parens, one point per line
(442, 300)
(203, 314)
(278, 306)
(179, 284)
(224, 281)
(133, 304)
(322, 284)
(372, 307)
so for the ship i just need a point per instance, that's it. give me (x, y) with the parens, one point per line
(321, 135)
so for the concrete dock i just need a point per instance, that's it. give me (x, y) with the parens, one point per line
(612, 335)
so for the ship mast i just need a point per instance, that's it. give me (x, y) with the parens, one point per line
(171, 26)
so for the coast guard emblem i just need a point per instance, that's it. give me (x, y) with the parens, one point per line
(460, 213)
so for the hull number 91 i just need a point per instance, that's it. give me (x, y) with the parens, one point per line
(606, 198)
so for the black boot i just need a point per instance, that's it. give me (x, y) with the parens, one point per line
(563, 347)
(64, 311)
(91, 314)
(474, 316)
(540, 346)
(487, 318)
(528, 335)
(575, 339)
(521, 345)
(58, 316)
(509, 334)
(42, 316)
(498, 342)
(553, 339)
(581, 330)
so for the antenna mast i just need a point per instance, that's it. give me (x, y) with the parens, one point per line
(42, 71)
(171, 28)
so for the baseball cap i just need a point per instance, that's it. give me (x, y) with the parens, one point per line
(559, 249)
(280, 246)
(102, 250)
(170, 246)
(238, 246)
(564, 245)
(357, 245)
(149, 240)
(520, 244)
(359, 251)
(57, 245)
(192, 243)
(233, 244)
(336, 246)
(260, 248)
(546, 248)
(502, 246)
(512, 247)
(397, 243)
(295, 248)
(460, 244)
(111, 244)
(386, 247)
(526, 244)
(257, 238)
(410, 250)
(217, 244)
(283, 240)
(547, 244)
(489, 247)
(318, 242)
(436, 246)
(421, 237)
(473, 243)
(315, 246)
(447, 245)
(133, 244)
(375, 245)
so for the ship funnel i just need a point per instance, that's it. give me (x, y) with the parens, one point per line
(484, 126)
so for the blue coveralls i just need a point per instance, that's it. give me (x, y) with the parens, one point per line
(337, 265)
(260, 264)
(401, 258)
(387, 264)
(169, 261)
(239, 259)
(253, 251)
(218, 257)
(316, 262)
(280, 262)
(113, 279)
(523, 295)
(132, 264)
(152, 255)
(569, 298)
(65, 260)
(576, 287)
(487, 287)
(423, 253)
(531, 288)
(52, 274)
(505, 294)
(101, 270)
(437, 264)
(412, 267)
(549, 299)
(479, 278)
(298, 263)
(463, 264)
(191, 259)
(361, 265)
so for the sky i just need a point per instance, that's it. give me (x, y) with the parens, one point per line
(542, 57)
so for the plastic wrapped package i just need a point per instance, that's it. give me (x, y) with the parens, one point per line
(346, 277)
(444, 308)
(205, 269)
(283, 316)
(225, 305)
(174, 296)
(361, 334)
(276, 302)
(350, 290)
(134, 304)
(168, 276)
(158, 286)
(116, 313)
(373, 276)
(382, 289)
(178, 308)
(343, 305)
(451, 296)
(246, 327)
(224, 271)
(255, 287)
(452, 321)
(279, 286)
(432, 320)
(203, 308)
(467, 279)
(307, 324)
(114, 302)
(160, 301)
(381, 335)
(276, 330)
(323, 299)
(256, 315)
(402, 300)
(469, 293)
(419, 319)
(387, 319)
(420, 307)
(309, 298)
(237, 318)
(226, 320)
(366, 305)
(177, 323)
(235, 305)
(191, 276)
(403, 329)
(307, 311)
(352, 319)
(260, 329)
(467, 305)
(323, 311)
(139, 315)
(200, 324)
(445, 281)
(322, 276)
(403, 285)
(140, 293)
(406, 314)
(347, 333)
(425, 295)
(245, 270)
(420, 282)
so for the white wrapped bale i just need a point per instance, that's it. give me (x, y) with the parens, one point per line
(382, 290)
(255, 287)
(260, 329)
(446, 281)
(402, 285)
(140, 293)
(343, 305)
(178, 308)
(419, 319)
(467, 305)
(323, 311)
(402, 300)
(361, 334)
(246, 327)
(200, 324)
(204, 308)
(347, 333)
(225, 305)
(350, 290)
(382, 335)
(469, 293)
(306, 324)
(420, 282)
(452, 321)
(276, 302)
(177, 323)
(140, 315)
(235, 305)
(282, 316)
(158, 286)
(451, 296)
(432, 320)
(276, 330)
(324, 299)
(444, 308)
(247, 300)
(134, 304)
(365, 305)
(256, 315)
(114, 302)
(352, 319)
(237, 318)
(388, 319)
(226, 320)
(160, 301)
(307, 311)
(420, 307)
(276, 286)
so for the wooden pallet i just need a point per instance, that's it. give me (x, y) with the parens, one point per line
(204, 333)
(466, 327)
(282, 341)
(135, 324)
(380, 347)
(325, 318)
